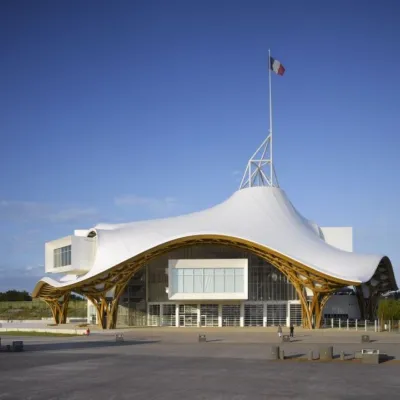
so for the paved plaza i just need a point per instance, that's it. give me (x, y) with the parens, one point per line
(162, 363)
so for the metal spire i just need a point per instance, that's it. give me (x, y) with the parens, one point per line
(260, 169)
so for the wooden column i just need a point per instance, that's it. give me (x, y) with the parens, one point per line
(59, 308)
(107, 308)
(319, 312)
(97, 302)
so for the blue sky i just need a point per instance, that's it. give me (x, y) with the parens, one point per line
(126, 110)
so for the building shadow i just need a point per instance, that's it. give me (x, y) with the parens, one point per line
(84, 345)
(294, 356)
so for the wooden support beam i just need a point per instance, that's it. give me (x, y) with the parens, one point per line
(59, 307)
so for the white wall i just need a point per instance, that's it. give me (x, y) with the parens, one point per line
(82, 254)
(339, 237)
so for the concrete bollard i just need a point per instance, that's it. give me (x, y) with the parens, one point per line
(282, 354)
(326, 353)
(202, 339)
(342, 355)
(18, 345)
(370, 356)
(273, 353)
(310, 355)
(285, 338)
(119, 337)
(365, 339)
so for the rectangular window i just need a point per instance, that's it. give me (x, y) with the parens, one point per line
(208, 280)
(198, 283)
(230, 283)
(188, 284)
(239, 283)
(62, 256)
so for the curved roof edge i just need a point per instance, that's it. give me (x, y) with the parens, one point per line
(260, 216)
(57, 286)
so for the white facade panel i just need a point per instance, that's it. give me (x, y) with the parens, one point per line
(339, 237)
(204, 270)
(82, 255)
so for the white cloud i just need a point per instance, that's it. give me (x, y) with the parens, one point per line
(150, 203)
(26, 211)
(73, 214)
(29, 270)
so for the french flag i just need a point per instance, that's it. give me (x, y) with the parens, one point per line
(277, 67)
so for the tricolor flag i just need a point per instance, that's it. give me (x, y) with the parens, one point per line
(276, 66)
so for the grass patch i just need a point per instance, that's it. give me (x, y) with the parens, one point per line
(32, 333)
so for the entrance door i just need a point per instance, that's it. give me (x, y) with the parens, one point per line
(253, 314)
(187, 315)
(231, 315)
(208, 314)
(276, 314)
(295, 315)
(154, 315)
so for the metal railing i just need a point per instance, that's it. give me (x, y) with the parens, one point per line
(361, 325)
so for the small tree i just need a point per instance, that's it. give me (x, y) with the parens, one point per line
(388, 310)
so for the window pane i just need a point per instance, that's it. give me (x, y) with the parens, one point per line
(208, 283)
(173, 285)
(219, 284)
(180, 283)
(229, 283)
(198, 284)
(219, 271)
(198, 271)
(239, 284)
(187, 271)
(239, 271)
(179, 270)
(229, 271)
(188, 284)
(209, 271)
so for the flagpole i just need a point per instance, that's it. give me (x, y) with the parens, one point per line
(270, 117)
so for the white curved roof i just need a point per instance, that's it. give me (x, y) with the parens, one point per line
(262, 215)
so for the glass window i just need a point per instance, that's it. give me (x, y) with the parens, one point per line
(62, 256)
(219, 286)
(208, 281)
(238, 271)
(188, 284)
(230, 283)
(198, 284)
(239, 284)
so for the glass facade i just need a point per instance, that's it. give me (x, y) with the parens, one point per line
(266, 283)
(207, 280)
(145, 301)
(62, 256)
